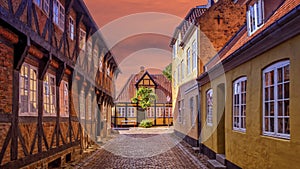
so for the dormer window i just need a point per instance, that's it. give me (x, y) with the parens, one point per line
(255, 16)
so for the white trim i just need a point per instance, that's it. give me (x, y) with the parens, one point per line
(274, 68)
(59, 14)
(71, 28)
(252, 11)
(238, 91)
(50, 104)
(209, 107)
(28, 88)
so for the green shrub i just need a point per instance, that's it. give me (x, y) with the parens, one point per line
(146, 123)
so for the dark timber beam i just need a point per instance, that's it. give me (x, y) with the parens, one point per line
(69, 4)
(60, 73)
(42, 71)
(21, 51)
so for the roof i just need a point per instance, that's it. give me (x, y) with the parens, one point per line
(281, 26)
(241, 38)
(189, 20)
(163, 88)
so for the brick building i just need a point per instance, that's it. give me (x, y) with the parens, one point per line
(54, 68)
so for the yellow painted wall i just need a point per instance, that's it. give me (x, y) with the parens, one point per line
(179, 87)
(251, 149)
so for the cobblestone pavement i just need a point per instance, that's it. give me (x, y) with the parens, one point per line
(140, 148)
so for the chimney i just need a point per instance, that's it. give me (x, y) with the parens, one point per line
(142, 69)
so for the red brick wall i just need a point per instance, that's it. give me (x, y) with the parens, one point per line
(233, 17)
(6, 78)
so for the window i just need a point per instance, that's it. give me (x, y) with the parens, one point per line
(276, 100)
(38, 2)
(89, 106)
(169, 112)
(189, 60)
(194, 54)
(71, 28)
(82, 39)
(179, 112)
(130, 112)
(82, 102)
(150, 112)
(178, 74)
(209, 107)
(58, 14)
(160, 111)
(174, 50)
(50, 95)
(182, 70)
(121, 112)
(28, 90)
(239, 104)
(193, 114)
(95, 55)
(255, 16)
(46, 6)
(64, 99)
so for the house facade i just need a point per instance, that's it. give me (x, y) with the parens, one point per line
(205, 30)
(56, 82)
(249, 112)
(160, 112)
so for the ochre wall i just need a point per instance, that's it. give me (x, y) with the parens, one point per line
(251, 149)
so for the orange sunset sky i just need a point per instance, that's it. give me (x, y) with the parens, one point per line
(146, 35)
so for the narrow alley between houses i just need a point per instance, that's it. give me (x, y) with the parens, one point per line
(144, 148)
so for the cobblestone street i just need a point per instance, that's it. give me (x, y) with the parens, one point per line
(144, 149)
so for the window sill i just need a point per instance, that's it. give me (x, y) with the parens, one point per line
(242, 131)
(274, 136)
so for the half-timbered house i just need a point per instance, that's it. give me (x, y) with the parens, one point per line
(56, 78)
(130, 114)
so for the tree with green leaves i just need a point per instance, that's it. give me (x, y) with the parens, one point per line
(168, 72)
(144, 97)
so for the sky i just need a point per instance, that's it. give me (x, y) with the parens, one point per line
(138, 32)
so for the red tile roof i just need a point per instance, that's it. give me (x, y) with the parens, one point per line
(163, 89)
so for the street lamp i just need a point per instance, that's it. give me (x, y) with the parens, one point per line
(168, 100)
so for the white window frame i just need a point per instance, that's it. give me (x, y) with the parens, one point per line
(82, 39)
(150, 112)
(49, 95)
(38, 3)
(82, 104)
(178, 73)
(46, 6)
(89, 106)
(275, 69)
(194, 55)
(180, 120)
(121, 112)
(31, 90)
(255, 16)
(182, 70)
(58, 14)
(239, 108)
(189, 61)
(193, 114)
(71, 28)
(130, 112)
(64, 99)
(209, 107)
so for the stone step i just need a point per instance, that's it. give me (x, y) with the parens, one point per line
(196, 149)
(214, 164)
(221, 158)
